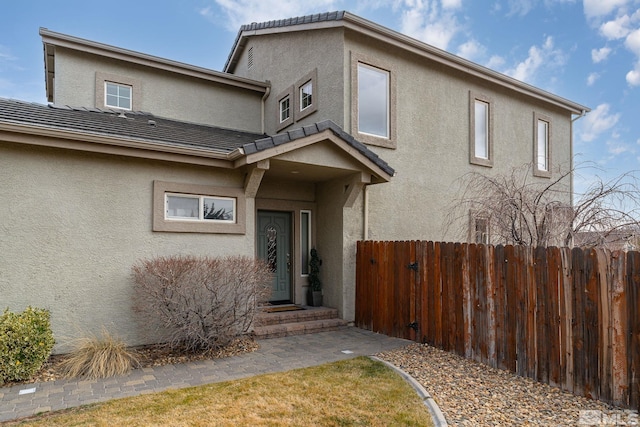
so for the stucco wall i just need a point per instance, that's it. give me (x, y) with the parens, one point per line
(433, 142)
(283, 59)
(162, 93)
(73, 224)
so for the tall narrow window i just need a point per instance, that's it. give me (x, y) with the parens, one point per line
(480, 130)
(306, 95)
(373, 101)
(542, 146)
(305, 240)
(117, 95)
(285, 109)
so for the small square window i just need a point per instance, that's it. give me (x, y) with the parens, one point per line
(117, 96)
(306, 96)
(306, 101)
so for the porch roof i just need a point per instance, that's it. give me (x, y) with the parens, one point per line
(141, 134)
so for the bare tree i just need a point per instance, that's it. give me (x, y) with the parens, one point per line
(525, 210)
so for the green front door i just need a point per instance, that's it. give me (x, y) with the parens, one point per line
(274, 246)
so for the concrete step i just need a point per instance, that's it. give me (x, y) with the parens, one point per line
(307, 321)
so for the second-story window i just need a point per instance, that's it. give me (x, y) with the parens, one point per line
(285, 109)
(118, 95)
(480, 130)
(542, 146)
(373, 101)
(306, 95)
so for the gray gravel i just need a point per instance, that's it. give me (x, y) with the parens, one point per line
(473, 394)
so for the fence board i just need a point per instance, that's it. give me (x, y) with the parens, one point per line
(566, 317)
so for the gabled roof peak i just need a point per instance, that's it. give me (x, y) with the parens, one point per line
(307, 19)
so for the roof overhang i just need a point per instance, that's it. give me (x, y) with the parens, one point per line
(399, 41)
(318, 157)
(52, 39)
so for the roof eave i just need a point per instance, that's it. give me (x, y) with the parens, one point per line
(379, 32)
(114, 144)
(51, 39)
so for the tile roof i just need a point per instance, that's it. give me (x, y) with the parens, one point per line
(147, 127)
(283, 138)
(136, 125)
(308, 19)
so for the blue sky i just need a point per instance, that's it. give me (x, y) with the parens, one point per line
(585, 50)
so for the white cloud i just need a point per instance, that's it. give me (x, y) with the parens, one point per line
(617, 28)
(591, 79)
(451, 4)
(496, 62)
(432, 22)
(598, 121)
(616, 148)
(599, 55)
(240, 12)
(633, 76)
(545, 56)
(471, 50)
(633, 42)
(599, 8)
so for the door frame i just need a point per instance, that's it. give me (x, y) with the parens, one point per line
(290, 254)
(299, 282)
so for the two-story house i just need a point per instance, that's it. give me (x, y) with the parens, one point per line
(320, 131)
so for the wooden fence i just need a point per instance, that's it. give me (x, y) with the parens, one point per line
(566, 317)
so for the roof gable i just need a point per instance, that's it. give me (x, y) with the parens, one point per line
(375, 31)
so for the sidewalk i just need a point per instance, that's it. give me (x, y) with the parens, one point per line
(274, 355)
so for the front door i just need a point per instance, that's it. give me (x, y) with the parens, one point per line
(274, 246)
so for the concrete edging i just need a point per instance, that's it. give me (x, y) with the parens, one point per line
(434, 410)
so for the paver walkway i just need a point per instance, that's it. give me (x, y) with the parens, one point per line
(274, 355)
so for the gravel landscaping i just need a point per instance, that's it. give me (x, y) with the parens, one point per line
(472, 394)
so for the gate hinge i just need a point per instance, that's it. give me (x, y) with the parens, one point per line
(413, 325)
(413, 266)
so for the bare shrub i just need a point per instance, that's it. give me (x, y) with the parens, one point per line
(98, 357)
(202, 302)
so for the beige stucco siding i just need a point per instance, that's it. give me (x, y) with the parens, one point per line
(73, 224)
(433, 142)
(160, 92)
(284, 59)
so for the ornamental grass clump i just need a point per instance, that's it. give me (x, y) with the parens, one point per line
(26, 341)
(98, 357)
(202, 303)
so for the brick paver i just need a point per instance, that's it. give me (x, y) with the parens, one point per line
(274, 355)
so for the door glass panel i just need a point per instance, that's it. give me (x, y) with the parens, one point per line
(272, 249)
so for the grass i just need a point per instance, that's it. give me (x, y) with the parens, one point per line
(354, 392)
(95, 357)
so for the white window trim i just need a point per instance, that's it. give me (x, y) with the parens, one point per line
(201, 202)
(391, 140)
(101, 90)
(473, 159)
(186, 225)
(118, 97)
(539, 172)
(299, 112)
(288, 92)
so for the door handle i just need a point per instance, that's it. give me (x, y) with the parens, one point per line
(288, 263)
